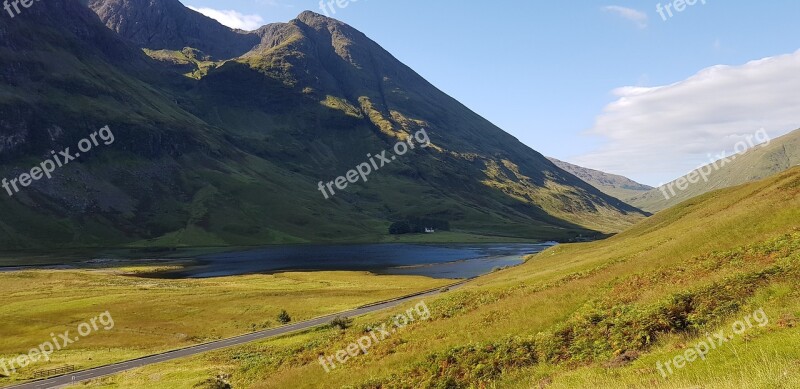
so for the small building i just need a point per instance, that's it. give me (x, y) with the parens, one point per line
(429, 230)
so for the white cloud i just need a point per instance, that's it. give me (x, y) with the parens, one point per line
(638, 17)
(232, 18)
(657, 134)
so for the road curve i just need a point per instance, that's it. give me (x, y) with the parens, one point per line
(102, 371)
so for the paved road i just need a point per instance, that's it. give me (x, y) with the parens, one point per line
(102, 371)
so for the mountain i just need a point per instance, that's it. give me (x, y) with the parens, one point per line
(225, 144)
(610, 184)
(757, 163)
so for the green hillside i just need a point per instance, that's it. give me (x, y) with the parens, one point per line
(760, 162)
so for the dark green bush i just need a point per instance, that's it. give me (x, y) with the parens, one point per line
(284, 317)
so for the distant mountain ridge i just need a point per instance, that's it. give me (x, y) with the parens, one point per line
(614, 185)
(758, 163)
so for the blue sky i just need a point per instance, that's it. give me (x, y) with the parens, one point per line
(609, 85)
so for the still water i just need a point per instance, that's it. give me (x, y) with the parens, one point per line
(437, 261)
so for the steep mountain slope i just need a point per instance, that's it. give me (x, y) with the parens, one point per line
(610, 184)
(339, 67)
(760, 162)
(234, 155)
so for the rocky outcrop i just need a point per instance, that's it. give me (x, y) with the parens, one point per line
(167, 24)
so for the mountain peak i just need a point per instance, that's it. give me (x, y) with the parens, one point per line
(310, 17)
(318, 21)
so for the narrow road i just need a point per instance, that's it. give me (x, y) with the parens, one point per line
(103, 371)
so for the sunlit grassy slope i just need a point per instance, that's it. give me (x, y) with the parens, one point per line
(582, 315)
(757, 163)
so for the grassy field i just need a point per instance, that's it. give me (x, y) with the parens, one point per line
(157, 315)
(598, 314)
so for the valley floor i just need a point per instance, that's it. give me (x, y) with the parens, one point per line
(601, 314)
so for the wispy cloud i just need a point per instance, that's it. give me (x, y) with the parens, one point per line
(656, 134)
(638, 17)
(231, 18)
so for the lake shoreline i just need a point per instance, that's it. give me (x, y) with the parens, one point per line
(447, 261)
